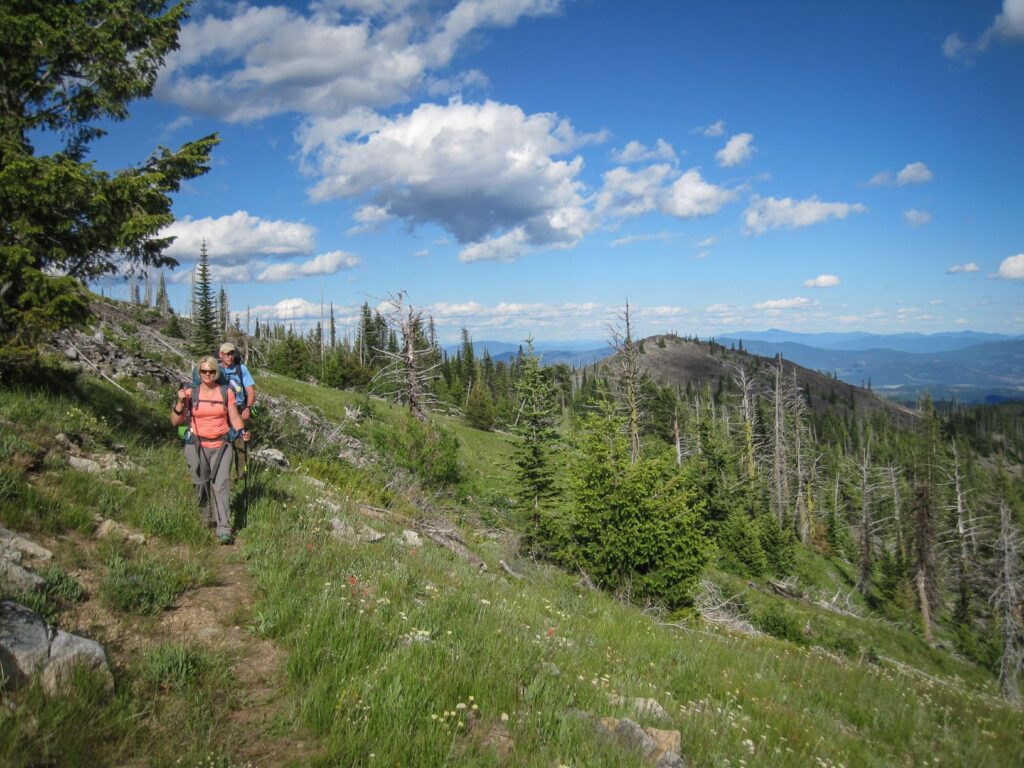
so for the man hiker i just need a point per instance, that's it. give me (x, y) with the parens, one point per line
(237, 376)
(240, 382)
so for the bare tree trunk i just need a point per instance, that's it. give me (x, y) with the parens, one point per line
(1008, 603)
(746, 384)
(676, 436)
(963, 608)
(924, 543)
(922, 596)
(780, 484)
(865, 549)
(628, 363)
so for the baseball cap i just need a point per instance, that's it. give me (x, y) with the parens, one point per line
(227, 348)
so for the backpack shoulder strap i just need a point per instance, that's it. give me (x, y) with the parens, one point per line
(224, 394)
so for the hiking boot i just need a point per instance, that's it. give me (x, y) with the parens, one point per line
(225, 538)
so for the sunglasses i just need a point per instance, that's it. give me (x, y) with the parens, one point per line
(206, 370)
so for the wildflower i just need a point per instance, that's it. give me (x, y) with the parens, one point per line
(484, 601)
(504, 717)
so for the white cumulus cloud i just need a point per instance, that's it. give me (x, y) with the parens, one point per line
(325, 264)
(237, 237)
(765, 213)
(822, 281)
(957, 269)
(716, 128)
(914, 173)
(797, 302)
(1012, 267)
(1008, 26)
(736, 151)
(916, 218)
(690, 196)
(288, 309)
(488, 173)
(259, 61)
(911, 173)
(635, 152)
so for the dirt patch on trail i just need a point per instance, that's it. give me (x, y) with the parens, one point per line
(208, 615)
(217, 617)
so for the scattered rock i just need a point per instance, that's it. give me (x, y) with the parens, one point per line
(642, 707)
(271, 456)
(660, 748)
(68, 651)
(16, 578)
(24, 643)
(320, 485)
(27, 645)
(345, 532)
(12, 540)
(70, 443)
(331, 506)
(113, 528)
(83, 464)
(411, 538)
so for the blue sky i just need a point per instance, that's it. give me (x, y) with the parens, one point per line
(525, 167)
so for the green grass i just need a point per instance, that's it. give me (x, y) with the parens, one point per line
(145, 585)
(410, 656)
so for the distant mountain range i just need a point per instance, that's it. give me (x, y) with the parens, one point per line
(577, 352)
(859, 341)
(968, 366)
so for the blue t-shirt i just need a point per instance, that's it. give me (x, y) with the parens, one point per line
(237, 377)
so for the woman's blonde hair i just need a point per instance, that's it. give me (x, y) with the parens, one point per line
(211, 362)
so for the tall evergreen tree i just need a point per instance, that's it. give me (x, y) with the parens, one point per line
(67, 68)
(204, 316)
(535, 424)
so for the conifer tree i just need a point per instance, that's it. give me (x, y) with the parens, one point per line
(480, 407)
(68, 69)
(535, 424)
(204, 319)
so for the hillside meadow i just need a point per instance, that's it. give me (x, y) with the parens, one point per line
(399, 652)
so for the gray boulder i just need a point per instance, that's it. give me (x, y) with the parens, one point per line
(68, 651)
(15, 578)
(24, 643)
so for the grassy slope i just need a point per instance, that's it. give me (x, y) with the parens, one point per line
(410, 656)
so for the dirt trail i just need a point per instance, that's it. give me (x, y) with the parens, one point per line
(207, 616)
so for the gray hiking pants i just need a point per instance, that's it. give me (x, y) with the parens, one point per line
(210, 470)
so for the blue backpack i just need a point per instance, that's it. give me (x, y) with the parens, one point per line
(232, 378)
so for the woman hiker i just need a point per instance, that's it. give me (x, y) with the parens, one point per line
(210, 411)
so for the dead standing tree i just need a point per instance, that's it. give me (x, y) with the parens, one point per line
(780, 477)
(1007, 600)
(408, 371)
(627, 368)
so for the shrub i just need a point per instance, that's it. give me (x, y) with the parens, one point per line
(778, 622)
(428, 451)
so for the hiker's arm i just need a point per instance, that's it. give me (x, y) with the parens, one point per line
(250, 400)
(178, 409)
(236, 420)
